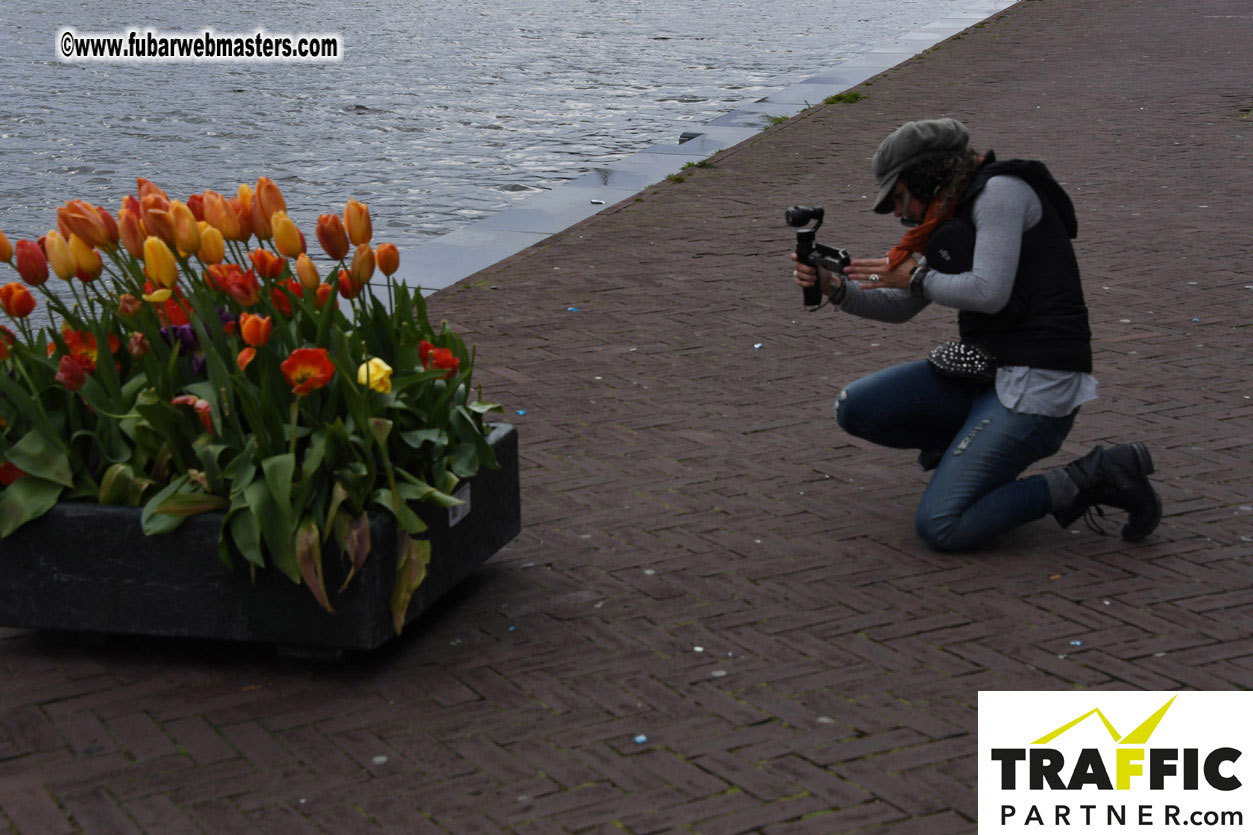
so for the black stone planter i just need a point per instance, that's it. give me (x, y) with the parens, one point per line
(89, 567)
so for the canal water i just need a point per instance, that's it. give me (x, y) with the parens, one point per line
(437, 115)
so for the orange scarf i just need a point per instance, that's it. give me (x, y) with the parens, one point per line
(915, 239)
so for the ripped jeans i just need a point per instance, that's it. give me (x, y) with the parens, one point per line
(975, 493)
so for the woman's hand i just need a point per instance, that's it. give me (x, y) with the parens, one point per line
(873, 273)
(805, 276)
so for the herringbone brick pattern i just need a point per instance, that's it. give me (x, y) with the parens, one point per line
(708, 565)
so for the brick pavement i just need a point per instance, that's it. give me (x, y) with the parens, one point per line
(682, 488)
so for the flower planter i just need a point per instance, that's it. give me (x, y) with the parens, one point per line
(88, 567)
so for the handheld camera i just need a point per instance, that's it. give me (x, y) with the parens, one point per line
(808, 251)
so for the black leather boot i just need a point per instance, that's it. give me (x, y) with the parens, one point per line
(1118, 477)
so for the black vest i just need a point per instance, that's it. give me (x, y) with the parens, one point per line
(1045, 322)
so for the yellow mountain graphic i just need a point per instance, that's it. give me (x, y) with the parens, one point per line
(1137, 737)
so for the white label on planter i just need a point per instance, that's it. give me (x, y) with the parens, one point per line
(461, 511)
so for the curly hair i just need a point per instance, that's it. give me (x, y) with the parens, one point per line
(941, 176)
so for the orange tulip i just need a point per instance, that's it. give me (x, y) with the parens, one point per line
(221, 216)
(270, 197)
(186, 229)
(307, 272)
(212, 247)
(332, 236)
(159, 263)
(266, 263)
(254, 329)
(59, 255)
(260, 221)
(145, 188)
(347, 287)
(83, 220)
(324, 293)
(239, 285)
(63, 223)
(245, 356)
(157, 218)
(287, 237)
(87, 259)
(362, 268)
(16, 300)
(6, 249)
(244, 217)
(357, 221)
(110, 227)
(132, 231)
(32, 264)
(388, 258)
(307, 369)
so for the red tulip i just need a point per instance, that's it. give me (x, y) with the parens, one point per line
(332, 236)
(32, 264)
(307, 369)
(70, 374)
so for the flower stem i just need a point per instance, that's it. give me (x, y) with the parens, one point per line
(295, 416)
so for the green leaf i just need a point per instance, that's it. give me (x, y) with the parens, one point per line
(191, 504)
(26, 499)
(276, 528)
(405, 517)
(244, 530)
(154, 523)
(35, 455)
(279, 470)
(116, 484)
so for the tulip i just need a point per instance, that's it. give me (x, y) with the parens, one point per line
(332, 236)
(287, 237)
(16, 300)
(110, 228)
(202, 408)
(70, 374)
(83, 220)
(324, 293)
(432, 357)
(259, 220)
(6, 249)
(196, 204)
(138, 344)
(212, 247)
(131, 227)
(242, 286)
(221, 216)
(388, 258)
(87, 259)
(59, 255)
(186, 229)
(347, 287)
(357, 221)
(128, 305)
(159, 263)
(307, 369)
(158, 296)
(254, 329)
(157, 218)
(244, 217)
(375, 374)
(63, 223)
(270, 197)
(145, 188)
(10, 473)
(362, 268)
(307, 272)
(267, 264)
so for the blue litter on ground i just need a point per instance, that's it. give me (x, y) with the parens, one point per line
(1076, 643)
(640, 739)
(522, 411)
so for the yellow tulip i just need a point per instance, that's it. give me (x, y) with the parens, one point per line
(159, 263)
(158, 296)
(286, 235)
(59, 255)
(245, 196)
(186, 228)
(87, 259)
(376, 374)
(212, 246)
(307, 272)
(362, 268)
(357, 221)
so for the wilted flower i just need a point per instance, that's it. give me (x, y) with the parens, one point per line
(138, 345)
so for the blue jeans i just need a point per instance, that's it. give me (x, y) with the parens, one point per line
(975, 493)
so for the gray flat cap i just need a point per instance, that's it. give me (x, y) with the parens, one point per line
(909, 143)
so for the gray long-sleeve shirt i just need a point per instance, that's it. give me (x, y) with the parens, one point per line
(1005, 209)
